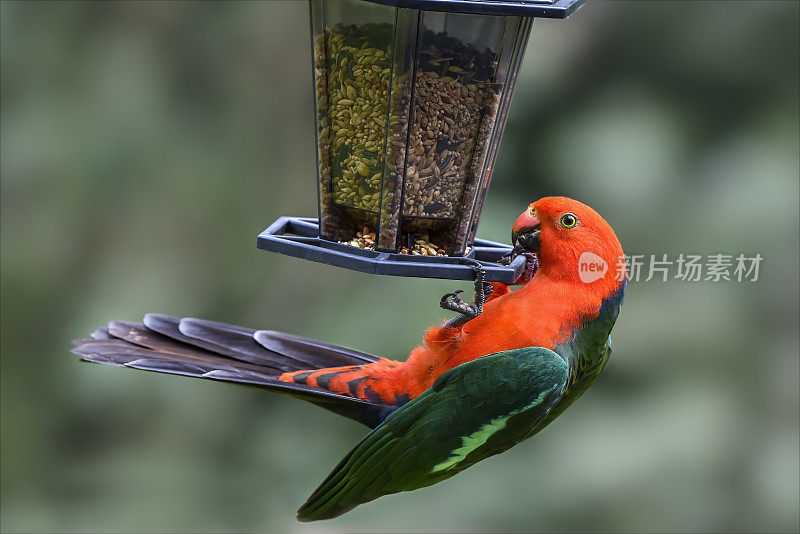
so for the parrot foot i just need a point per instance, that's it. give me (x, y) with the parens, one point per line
(531, 263)
(452, 302)
(531, 266)
(509, 256)
(467, 310)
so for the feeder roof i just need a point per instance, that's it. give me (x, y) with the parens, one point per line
(554, 9)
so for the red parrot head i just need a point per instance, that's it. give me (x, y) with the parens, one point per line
(570, 240)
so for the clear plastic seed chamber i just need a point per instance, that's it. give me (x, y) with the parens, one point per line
(411, 98)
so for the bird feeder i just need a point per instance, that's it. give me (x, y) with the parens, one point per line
(411, 100)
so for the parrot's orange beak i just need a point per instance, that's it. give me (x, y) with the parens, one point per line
(525, 231)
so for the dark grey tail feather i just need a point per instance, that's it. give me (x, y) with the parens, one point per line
(140, 335)
(100, 333)
(310, 352)
(218, 351)
(285, 352)
(170, 327)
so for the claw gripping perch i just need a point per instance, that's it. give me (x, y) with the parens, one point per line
(467, 310)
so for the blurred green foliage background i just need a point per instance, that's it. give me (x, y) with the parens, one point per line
(146, 144)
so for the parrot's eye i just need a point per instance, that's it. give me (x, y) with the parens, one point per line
(568, 220)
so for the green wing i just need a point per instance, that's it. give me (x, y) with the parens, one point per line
(471, 412)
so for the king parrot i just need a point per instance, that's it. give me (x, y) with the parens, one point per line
(476, 386)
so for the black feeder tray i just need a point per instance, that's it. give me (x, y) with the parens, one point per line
(411, 99)
(299, 237)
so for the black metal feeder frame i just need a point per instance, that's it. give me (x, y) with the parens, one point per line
(411, 102)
